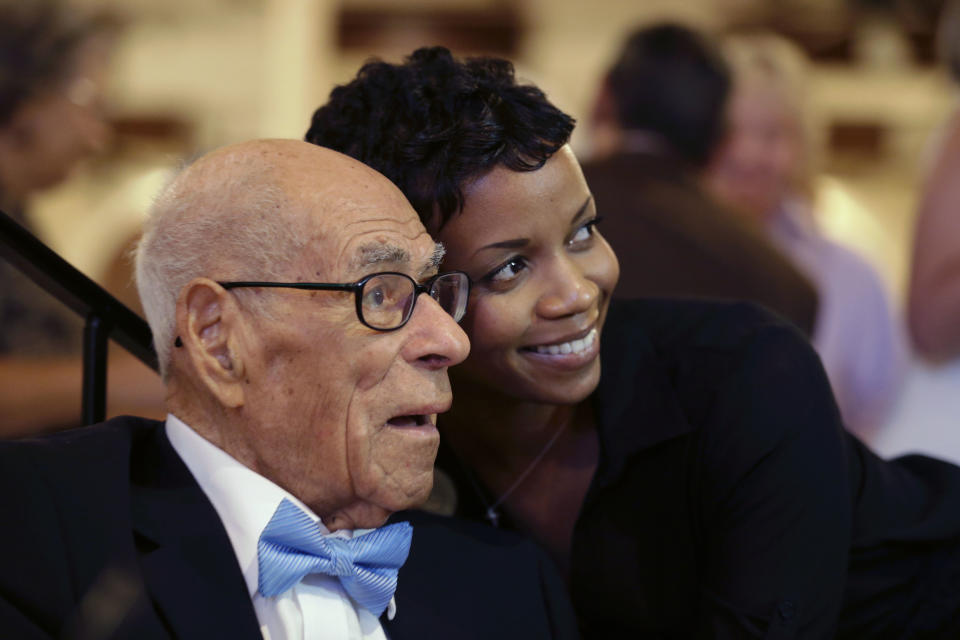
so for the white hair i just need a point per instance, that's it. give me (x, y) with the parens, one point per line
(225, 218)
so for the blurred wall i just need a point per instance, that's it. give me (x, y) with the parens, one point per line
(190, 75)
(228, 70)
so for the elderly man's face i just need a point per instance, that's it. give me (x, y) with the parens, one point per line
(339, 413)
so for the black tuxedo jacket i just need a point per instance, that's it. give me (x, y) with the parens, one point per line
(106, 534)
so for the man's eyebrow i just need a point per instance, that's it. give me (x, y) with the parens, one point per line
(373, 254)
(433, 265)
(439, 251)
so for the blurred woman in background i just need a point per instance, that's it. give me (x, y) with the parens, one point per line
(765, 170)
(53, 65)
(53, 68)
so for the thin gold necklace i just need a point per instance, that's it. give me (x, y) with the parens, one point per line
(491, 513)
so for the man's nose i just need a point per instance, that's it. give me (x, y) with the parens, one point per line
(435, 340)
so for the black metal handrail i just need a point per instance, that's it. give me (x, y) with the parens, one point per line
(106, 317)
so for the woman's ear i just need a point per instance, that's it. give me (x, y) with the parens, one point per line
(209, 321)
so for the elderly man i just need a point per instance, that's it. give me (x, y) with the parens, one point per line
(304, 373)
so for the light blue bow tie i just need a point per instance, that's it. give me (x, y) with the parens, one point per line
(291, 546)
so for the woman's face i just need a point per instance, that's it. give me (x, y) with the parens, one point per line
(755, 168)
(542, 278)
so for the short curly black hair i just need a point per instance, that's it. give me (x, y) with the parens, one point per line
(434, 123)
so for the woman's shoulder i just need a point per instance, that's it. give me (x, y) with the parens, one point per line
(731, 369)
(667, 325)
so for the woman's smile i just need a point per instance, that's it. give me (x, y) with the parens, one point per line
(566, 354)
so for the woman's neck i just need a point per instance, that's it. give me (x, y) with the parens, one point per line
(493, 432)
(535, 460)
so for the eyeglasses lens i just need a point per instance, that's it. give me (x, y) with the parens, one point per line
(450, 291)
(387, 300)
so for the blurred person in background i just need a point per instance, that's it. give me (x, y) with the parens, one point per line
(764, 171)
(53, 66)
(934, 294)
(657, 121)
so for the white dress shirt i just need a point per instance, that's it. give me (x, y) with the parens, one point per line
(317, 608)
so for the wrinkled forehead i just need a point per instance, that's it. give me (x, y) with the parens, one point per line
(359, 234)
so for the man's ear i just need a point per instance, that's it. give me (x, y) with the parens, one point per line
(209, 323)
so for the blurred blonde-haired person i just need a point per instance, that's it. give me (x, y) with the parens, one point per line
(765, 169)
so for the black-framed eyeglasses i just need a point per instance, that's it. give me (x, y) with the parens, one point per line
(385, 301)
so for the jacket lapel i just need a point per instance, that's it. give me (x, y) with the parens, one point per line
(189, 567)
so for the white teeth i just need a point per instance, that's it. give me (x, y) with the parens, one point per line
(574, 346)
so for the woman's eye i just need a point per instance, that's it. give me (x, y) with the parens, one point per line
(506, 272)
(584, 233)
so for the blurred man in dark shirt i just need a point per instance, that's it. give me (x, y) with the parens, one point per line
(659, 117)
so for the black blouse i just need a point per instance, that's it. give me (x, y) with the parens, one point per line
(729, 502)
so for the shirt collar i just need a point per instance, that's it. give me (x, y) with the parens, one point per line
(244, 500)
(793, 220)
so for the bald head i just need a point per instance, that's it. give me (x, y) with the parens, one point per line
(289, 163)
(246, 212)
(305, 176)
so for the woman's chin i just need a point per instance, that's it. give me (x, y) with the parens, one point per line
(570, 389)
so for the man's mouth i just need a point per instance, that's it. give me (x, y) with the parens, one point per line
(414, 420)
(577, 346)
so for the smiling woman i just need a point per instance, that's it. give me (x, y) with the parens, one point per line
(682, 462)
(543, 282)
